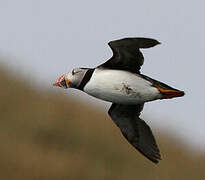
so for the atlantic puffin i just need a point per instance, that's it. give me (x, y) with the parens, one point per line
(120, 82)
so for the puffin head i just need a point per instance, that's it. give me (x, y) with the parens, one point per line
(71, 80)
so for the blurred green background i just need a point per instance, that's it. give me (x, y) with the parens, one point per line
(50, 136)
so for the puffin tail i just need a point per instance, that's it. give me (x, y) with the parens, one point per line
(168, 93)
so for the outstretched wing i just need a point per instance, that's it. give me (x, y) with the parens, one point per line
(126, 54)
(135, 130)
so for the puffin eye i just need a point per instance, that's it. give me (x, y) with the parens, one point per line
(73, 72)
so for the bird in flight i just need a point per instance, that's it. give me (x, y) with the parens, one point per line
(120, 82)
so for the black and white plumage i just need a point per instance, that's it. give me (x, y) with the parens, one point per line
(119, 81)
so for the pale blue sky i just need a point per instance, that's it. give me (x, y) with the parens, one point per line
(45, 38)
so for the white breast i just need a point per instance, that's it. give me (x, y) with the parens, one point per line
(120, 87)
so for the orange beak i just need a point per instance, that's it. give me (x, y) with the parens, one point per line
(59, 81)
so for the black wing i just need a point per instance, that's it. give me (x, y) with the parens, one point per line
(126, 53)
(135, 130)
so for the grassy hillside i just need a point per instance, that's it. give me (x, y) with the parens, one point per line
(49, 136)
